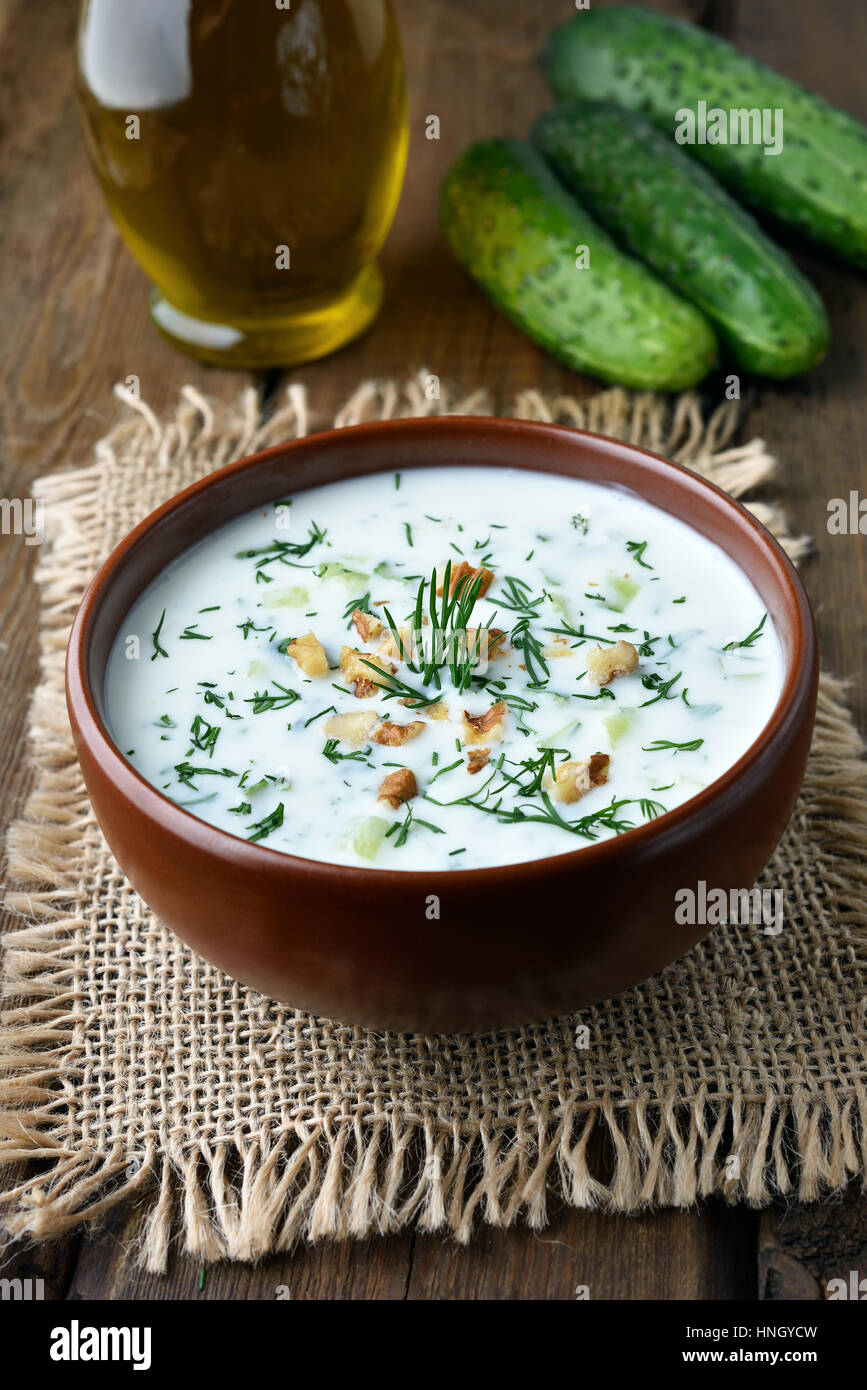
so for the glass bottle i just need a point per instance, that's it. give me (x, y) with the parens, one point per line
(251, 153)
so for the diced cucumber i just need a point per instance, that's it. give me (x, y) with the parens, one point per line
(620, 591)
(368, 836)
(555, 740)
(353, 579)
(616, 725)
(294, 597)
(384, 570)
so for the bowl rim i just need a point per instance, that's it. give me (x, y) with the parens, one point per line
(801, 670)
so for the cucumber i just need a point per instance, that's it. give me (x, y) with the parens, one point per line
(669, 210)
(646, 62)
(516, 230)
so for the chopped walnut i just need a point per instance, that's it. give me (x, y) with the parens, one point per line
(364, 689)
(477, 759)
(459, 572)
(438, 711)
(353, 667)
(309, 653)
(354, 729)
(390, 646)
(367, 627)
(483, 727)
(392, 735)
(573, 780)
(604, 663)
(398, 787)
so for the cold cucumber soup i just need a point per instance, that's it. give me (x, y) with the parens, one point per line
(446, 668)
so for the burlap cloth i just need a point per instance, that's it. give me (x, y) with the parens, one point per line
(133, 1069)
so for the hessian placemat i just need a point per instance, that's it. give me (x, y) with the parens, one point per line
(132, 1069)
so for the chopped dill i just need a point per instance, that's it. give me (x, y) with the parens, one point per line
(262, 828)
(747, 641)
(155, 638)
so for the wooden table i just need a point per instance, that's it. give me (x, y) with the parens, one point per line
(74, 322)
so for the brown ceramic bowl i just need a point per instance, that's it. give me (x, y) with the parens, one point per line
(512, 944)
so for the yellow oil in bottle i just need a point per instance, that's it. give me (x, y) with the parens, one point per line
(252, 155)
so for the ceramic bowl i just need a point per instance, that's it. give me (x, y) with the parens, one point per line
(511, 944)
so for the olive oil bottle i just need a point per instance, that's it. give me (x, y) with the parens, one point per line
(251, 153)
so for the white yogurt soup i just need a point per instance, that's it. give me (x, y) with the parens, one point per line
(446, 668)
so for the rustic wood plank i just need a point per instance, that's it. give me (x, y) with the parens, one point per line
(665, 1255)
(705, 1254)
(818, 427)
(372, 1269)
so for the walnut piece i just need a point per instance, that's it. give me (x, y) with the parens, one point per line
(604, 663)
(353, 667)
(354, 729)
(309, 653)
(463, 570)
(398, 787)
(487, 727)
(392, 735)
(437, 711)
(477, 758)
(367, 627)
(390, 646)
(364, 689)
(575, 779)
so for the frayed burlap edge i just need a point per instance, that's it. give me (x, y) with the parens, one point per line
(341, 1179)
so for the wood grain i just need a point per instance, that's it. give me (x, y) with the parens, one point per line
(74, 320)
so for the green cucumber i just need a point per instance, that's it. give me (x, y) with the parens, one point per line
(517, 230)
(817, 183)
(669, 210)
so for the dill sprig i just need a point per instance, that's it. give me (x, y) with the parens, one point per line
(248, 626)
(330, 751)
(362, 603)
(283, 552)
(262, 828)
(517, 598)
(660, 745)
(400, 829)
(186, 772)
(637, 549)
(662, 689)
(450, 649)
(747, 641)
(204, 735)
(155, 638)
(395, 688)
(263, 700)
